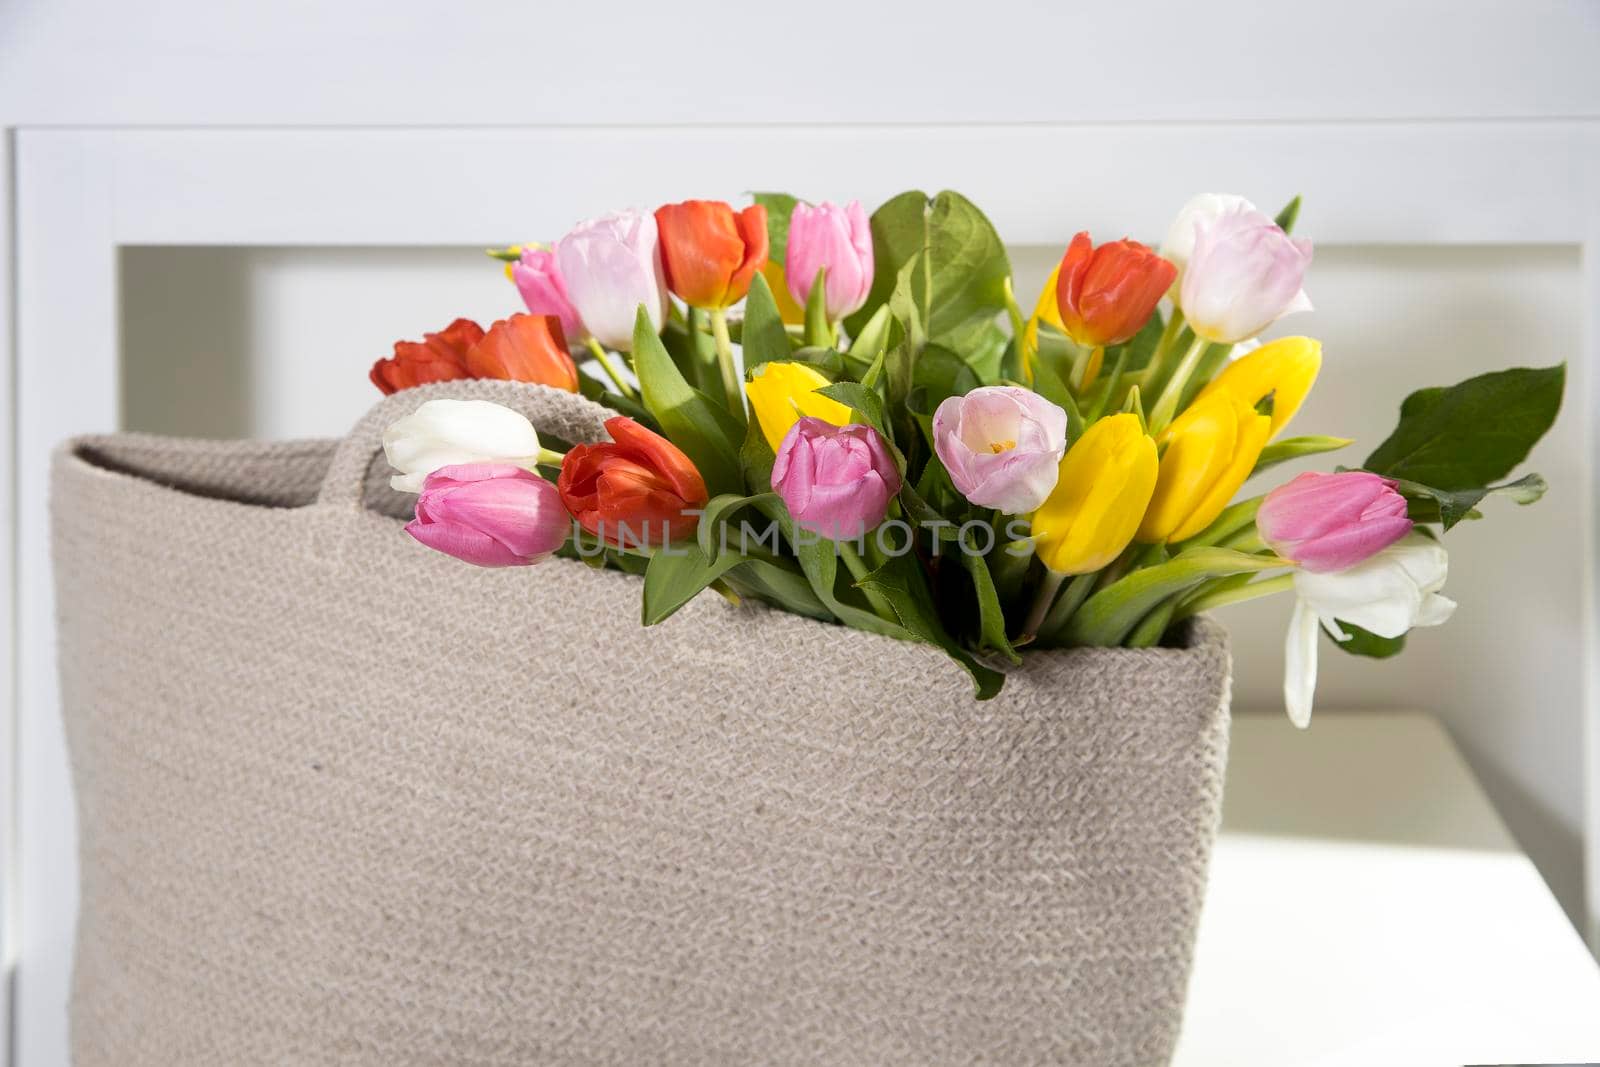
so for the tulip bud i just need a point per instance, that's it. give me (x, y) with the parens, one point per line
(525, 348)
(438, 357)
(709, 252)
(1331, 522)
(633, 491)
(610, 266)
(837, 239)
(1244, 275)
(837, 481)
(538, 278)
(1387, 594)
(1210, 450)
(444, 433)
(1103, 486)
(1002, 446)
(1284, 369)
(1104, 294)
(781, 392)
(490, 515)
(1201, 210)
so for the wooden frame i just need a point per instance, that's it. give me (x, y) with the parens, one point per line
(81, 194)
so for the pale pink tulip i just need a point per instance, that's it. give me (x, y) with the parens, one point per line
(610, 266)
(1243, 275)
(1002, 446)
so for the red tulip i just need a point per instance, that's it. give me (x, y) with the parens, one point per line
(633, 490)
(1106, 294)
(709, 253)
(438, 357)
(525, 348)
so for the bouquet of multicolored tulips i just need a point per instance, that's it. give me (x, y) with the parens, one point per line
(887, 455)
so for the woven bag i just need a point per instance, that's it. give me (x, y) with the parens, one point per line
(343, 800)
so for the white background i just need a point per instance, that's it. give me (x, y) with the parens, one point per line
(1425, 273)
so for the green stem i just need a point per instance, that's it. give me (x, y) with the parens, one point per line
(1112, 384)
(1237, 595)
(1160, 363)
(1019, 333)
(604, 359)
(1246, 540)
(1151, 628)
(1078, 591)
(858, 570)
(1167, 405)
(730, 377)
(549, 457)
(1042, 600)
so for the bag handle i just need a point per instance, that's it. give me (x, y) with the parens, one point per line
(566, 415)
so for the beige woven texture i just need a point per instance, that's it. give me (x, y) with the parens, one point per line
(346, 801)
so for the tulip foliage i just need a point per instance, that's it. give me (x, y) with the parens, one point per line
(850, 417)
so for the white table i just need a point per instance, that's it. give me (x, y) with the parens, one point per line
(1368, 907)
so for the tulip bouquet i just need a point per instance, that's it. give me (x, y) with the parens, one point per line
(897, 447)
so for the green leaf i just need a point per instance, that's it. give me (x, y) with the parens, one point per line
(966, 271)
(594, 390)
(763, 339)
(1471, 434)
(780, 206)
(1450, 506)
(1108, 616)
(827, 360)
(718, 510)
(991, 614)
(818, 332)
(756, 459)
(784, 586)
(1295, 448)
(706, 431)
(868, 346)
(941, 373)
(676, 574)
(1365, 643)
(900, 581)
(820, 563)
(1286, 218)
(865, 402)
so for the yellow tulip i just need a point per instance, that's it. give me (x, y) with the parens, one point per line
(1284, 369)
(1105, 481)
(1210, 450)
(782, 392)
(1047, 310)
(791, 313)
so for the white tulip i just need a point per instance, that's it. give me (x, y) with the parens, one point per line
(442, 433)
(1387, 594)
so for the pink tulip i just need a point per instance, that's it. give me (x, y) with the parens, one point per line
(1243, 275)
(1331, 522)
(539, 281)
(838, 239)
(490, 514)
(1002, 446)
(836, 480)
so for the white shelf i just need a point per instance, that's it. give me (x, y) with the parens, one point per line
(1367, 906)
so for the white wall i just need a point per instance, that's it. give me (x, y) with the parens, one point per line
(277, 342)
